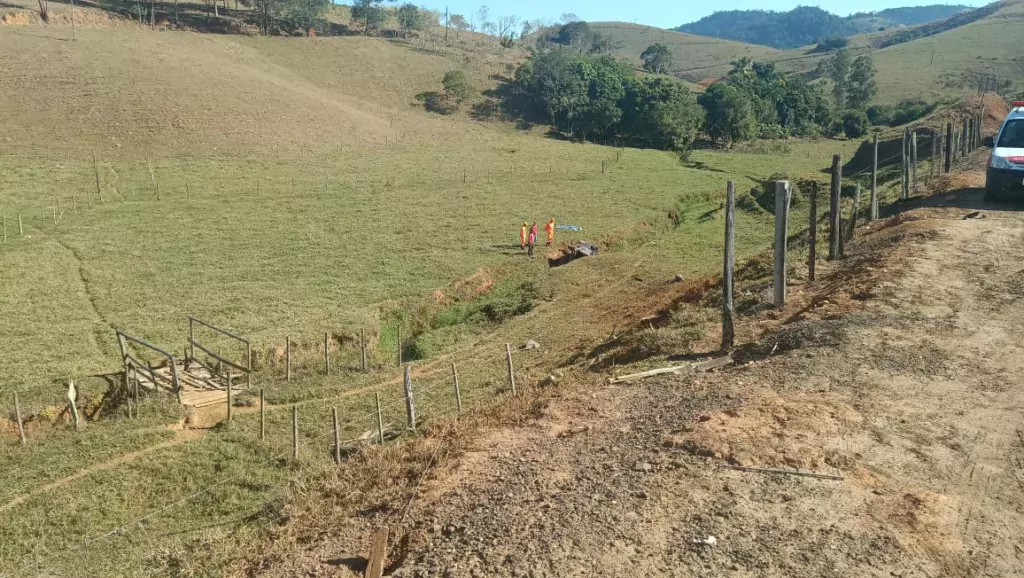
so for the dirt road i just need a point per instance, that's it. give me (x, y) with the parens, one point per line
(898, 370)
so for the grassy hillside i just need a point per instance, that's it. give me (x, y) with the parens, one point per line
(693, 56)
(905, 70)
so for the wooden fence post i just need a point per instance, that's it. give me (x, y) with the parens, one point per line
(327, 356)
(728, 331)
(248, 364)
(458, 394)
(913, 161)
(21, 229)
(905, 167)
(812, 249)
(782, 197)
(337, 438)
(362, 349)
(17, 415)
(853, 214)
(963, 139)
(380, 419)
(949, 147)
(263, 416)
(229, 397)
(295, 432)
(511, 372)
(874, 181)
(935, 154)
(410, 405)
(835, 216)
(288, 357)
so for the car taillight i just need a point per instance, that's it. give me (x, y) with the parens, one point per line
(1016, 160)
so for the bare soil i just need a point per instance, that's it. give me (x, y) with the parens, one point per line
(897, 370)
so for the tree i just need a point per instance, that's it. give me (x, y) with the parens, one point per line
(837, 69)
(506, 27)
(527, 30)
(568, 17)
(661, 113)
(599, 44)
(575, 34)
(370, 14)
(481, 18)
(855, 123)
(459, 22)
(861, 86)
(456, 88)
(411, 18)
(730, 116)
(657, 59)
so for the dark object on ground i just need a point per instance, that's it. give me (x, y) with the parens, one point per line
(571, 253)
(974, 215)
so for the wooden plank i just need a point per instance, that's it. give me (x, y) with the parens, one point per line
(702, 366)
(782, 200)
(378, 554)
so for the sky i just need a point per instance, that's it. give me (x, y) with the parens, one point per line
(663, 14)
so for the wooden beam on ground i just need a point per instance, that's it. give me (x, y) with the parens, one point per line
(698, 367)
(378, 554)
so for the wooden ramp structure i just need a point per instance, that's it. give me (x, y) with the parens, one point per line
(197, 381)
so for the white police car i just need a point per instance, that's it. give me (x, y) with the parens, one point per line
(1005, 174)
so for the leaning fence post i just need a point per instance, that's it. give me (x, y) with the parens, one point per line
(248, 364)
(96, 171)
(812, 249)
(782, 196)
(935, 155)
(728, 331)
(963, 139)
(21, 229)
(17, 414)
(288, 357)
(295, 432)
(874, 181)
(380, 418)
(835, 216)
(511, 372)
(913, 161)
(410, 405)
(327, 356)
(458, 394)
(337, 439)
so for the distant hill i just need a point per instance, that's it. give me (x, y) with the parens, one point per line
(806, 25)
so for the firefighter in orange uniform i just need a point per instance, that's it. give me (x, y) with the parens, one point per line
(522, 235)
(550, 230)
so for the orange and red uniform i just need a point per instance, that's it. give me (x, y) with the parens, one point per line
(550, 229)
(522, 236)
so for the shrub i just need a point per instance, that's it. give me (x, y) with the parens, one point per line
(855, 123)
(456, 87)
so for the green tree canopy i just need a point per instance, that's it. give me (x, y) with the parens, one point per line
(456, 87)
(861, 85)
(370, 13)
(657, 58)
(730, 116)
(410, 17)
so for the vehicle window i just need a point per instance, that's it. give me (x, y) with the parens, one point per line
(1013, 135)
